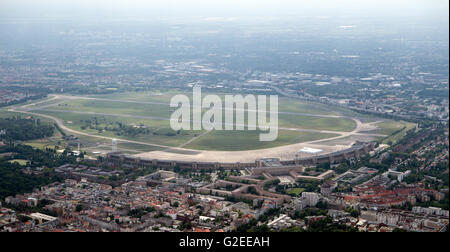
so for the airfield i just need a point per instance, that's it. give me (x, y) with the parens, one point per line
(96, 120)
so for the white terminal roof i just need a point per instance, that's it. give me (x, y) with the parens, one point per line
(310, 150)
(43, 216)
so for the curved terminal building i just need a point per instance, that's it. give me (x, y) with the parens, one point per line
(354, 151)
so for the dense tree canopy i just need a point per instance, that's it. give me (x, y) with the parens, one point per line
(17, 128)
(14, 181)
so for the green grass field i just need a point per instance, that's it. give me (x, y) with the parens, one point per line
(215, 140)
(284, 103)
(395, 129)
(154, 117)
(249, 140)
(46, 102)
(110, 107)
(164, 111)
(74, 121)
(150, 96)
(19, 161)
(4, 113)
(317, 123)
(40, 144)
(295, 191)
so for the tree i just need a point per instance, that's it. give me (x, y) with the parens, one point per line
(353, 212)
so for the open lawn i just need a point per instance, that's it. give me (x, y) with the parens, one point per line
(317, 123)
(19, 161)
(215, 140)
(160, 131)
(111, 107)
(4, 113)
(284, 103)
(295, 191)
(118, 116)
(396, 129)
(389, 127)
(158, 111)
(46, 142)
(249, 140)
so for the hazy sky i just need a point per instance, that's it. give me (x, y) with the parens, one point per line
(35, 8)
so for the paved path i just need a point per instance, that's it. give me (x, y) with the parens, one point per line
(193, 139)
